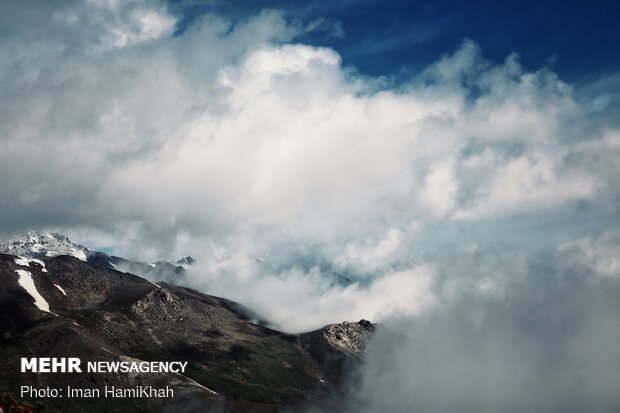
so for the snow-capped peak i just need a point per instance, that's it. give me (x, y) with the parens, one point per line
(33, 246)
(36, 244)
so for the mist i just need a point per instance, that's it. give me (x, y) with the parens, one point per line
(545, 343)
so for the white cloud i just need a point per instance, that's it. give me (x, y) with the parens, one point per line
(301, 300)
(526, 183)
(372, 253)
(440, 188)
(295, 140)
(601, 253)
(109, 25)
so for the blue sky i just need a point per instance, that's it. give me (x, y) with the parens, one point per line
(578, 39)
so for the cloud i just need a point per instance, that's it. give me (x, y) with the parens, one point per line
(546, 345)
(372, 253)
(117, 24)
(601, 253)
(315, 142)
(296, 288)
(528, 182)
(231, 137)
(226, 118)
(327, 26)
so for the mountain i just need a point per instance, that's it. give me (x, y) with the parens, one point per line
(61, 306)
(37, 245)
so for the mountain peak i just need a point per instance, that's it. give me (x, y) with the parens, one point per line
(189, 260)
(35, 244)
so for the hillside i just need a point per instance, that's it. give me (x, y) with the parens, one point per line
(64, 307)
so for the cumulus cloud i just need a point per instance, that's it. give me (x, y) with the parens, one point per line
(121, 133)
(296, 140)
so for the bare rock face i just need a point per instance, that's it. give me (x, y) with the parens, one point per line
(95, 313)
(337, 348)
(348, 337)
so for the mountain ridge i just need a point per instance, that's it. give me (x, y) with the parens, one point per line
(35, 244)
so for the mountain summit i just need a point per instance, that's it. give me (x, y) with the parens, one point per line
(38, 245)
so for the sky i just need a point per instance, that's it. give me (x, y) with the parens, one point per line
(578, 39)
(446, 169)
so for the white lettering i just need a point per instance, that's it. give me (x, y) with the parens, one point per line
(50, 365)
(44, 365)
(74, 365)
(29, 365)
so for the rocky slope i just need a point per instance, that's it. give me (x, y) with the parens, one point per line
(8, 404)
(64, 307)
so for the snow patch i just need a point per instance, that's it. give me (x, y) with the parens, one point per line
(41, 263)
(60, 288)
(79, 254)
(26, 281)
(197, 384)
(154, 284)
(24, 262)
(105, 349)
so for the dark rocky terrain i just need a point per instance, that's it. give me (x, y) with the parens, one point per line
(95, 313)
(8, 404)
